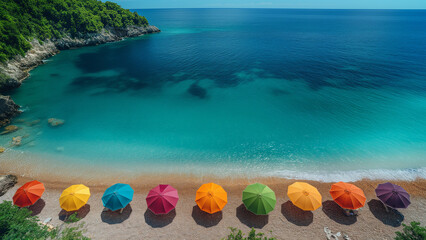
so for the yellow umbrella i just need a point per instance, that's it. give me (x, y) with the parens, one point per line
(74, 197)
(304, 196)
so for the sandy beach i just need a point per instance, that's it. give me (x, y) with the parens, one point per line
(188, 222)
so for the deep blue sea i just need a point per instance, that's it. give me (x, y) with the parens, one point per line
(317, 94)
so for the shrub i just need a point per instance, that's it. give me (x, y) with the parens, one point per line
(17, 223)
(72, 218)
(74, 233)
(237, 234)
(412, 232)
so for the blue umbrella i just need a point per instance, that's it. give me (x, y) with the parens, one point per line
(117, 196)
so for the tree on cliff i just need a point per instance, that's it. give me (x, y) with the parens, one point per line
(22, 20)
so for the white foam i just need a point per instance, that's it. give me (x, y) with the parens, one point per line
(354, 175)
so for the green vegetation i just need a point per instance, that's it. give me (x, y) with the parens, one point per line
(72, 218)
(237, 234)
(23, 20)
(17, 223)
(412, 232)
(73, 233)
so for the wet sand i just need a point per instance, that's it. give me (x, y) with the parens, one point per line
(188, 222)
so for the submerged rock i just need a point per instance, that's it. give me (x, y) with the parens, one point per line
(54, 122)
(16, 141)
(2, 149)
(197, 91)
(6, 183)
(32, 123)
(9, 129)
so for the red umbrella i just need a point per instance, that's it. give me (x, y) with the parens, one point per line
(162, 199)
(28, 194)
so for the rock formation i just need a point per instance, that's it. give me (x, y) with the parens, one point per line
(6, 183)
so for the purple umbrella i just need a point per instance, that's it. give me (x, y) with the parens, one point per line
(393, 195)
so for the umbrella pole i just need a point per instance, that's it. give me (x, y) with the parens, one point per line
(386, 207)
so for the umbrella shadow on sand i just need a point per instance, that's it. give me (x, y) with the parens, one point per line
(296, 215)
(392, 218)
(335, 213)
(115, 217)
(206, 219)
(37, 207)
(250, 219)
(159, 221)
(81, 213)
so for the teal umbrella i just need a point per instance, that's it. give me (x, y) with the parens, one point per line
(117, 196)
(259, 199)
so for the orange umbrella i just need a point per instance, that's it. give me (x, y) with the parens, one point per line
(211, 198)
(347, 195)
(28, 194)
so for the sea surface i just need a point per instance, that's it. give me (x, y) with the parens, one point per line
(313, 94)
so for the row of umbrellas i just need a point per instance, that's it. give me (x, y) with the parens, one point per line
(211, 198)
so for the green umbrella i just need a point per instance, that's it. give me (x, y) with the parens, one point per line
(259, 199)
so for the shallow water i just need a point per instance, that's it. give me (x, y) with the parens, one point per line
(248, 92)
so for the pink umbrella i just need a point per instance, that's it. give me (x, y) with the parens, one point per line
(162, 199)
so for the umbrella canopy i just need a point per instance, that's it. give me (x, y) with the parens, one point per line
(162, 199)
(393, 195)
(259, 199)
(28, 194)
(211, 198)
(117, 196)
(74, 197)
(347, 195)
(304, 196)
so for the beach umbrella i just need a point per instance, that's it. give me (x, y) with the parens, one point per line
(74, 197)
(347, 195)
(259, 199)
(304, 196)
(393, 195)
(211, 198)
(162, 199)
(28, 194)
(117, 196)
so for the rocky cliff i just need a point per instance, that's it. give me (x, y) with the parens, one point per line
(17, 69)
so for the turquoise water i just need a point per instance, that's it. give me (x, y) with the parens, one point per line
(319, 94)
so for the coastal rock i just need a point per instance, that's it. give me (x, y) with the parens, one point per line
(6, 183)
(17, 68)
(8, 110)
(107, 34)
(8, 84)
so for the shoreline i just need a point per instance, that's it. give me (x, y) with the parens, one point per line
(100, 176)
(67, 169)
